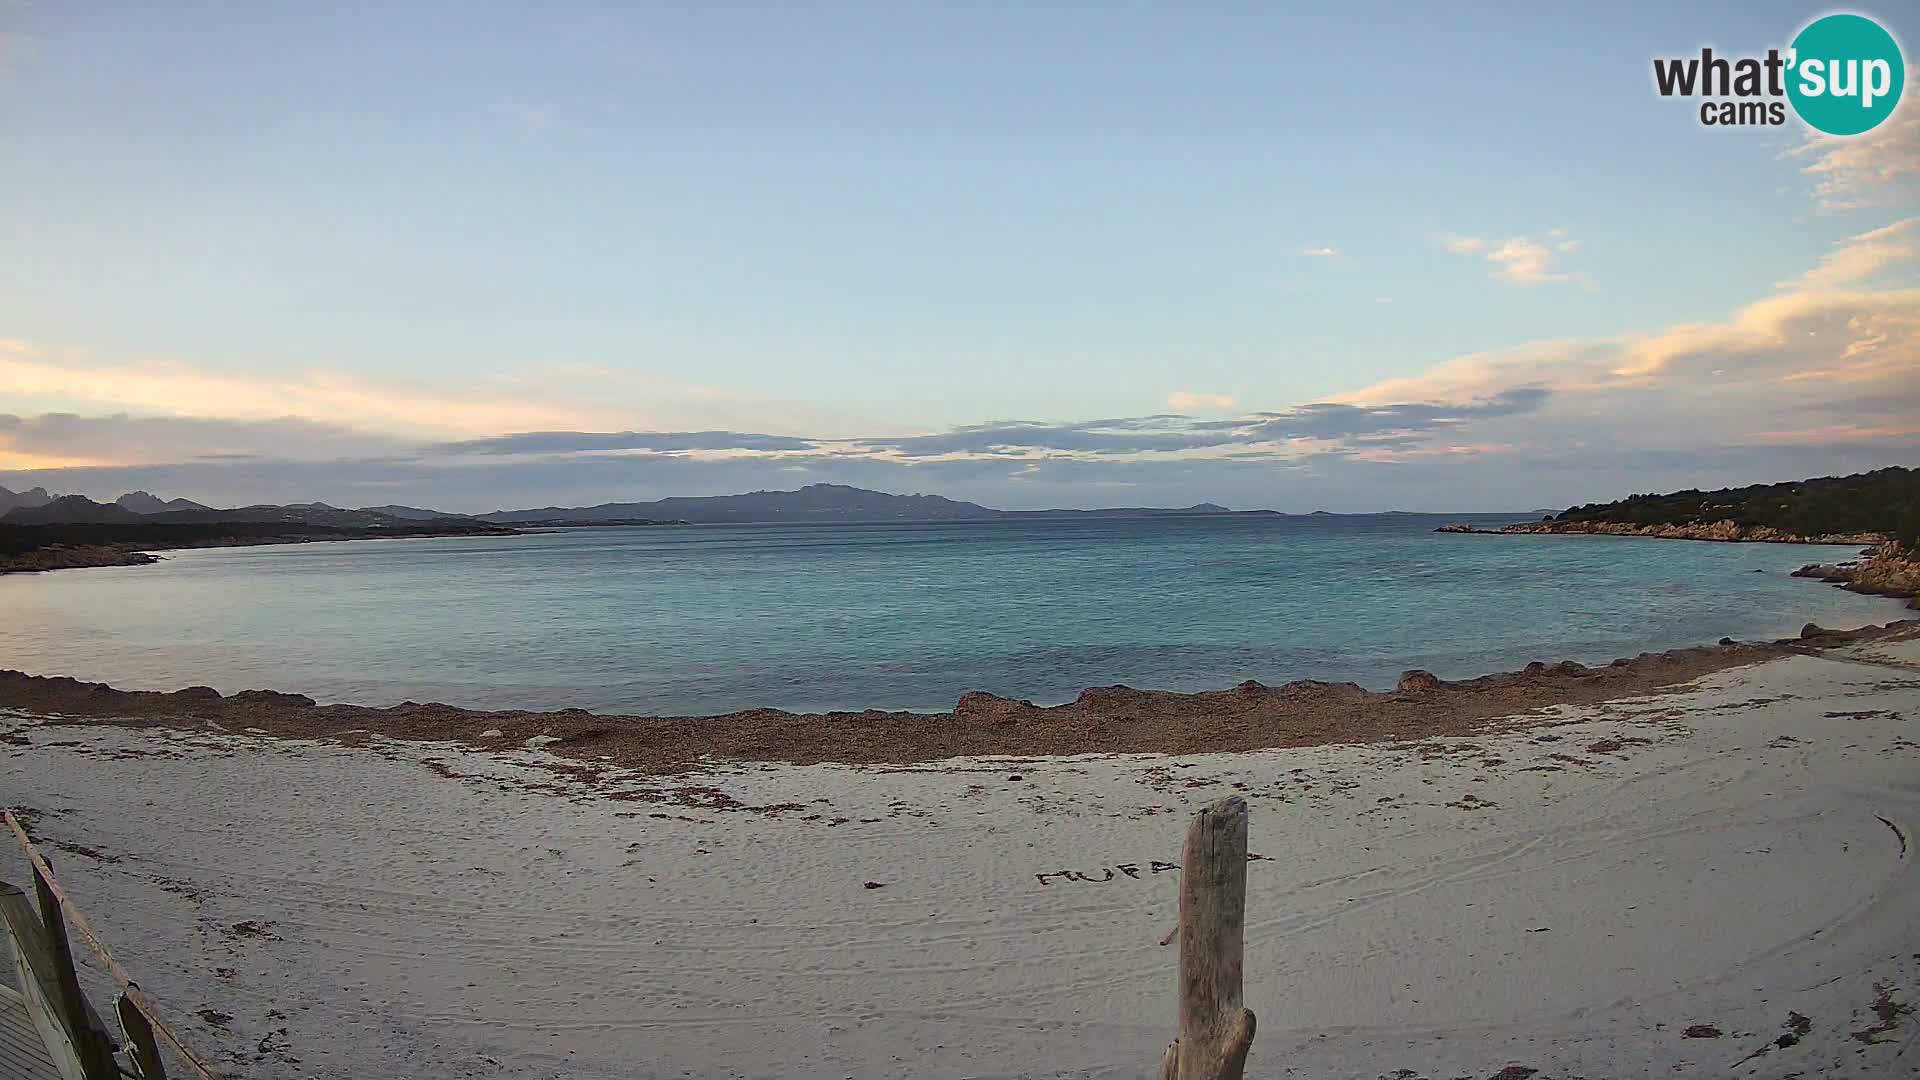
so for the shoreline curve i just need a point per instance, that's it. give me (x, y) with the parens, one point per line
(1101, 720)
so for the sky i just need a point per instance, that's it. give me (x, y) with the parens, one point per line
(1367, 257)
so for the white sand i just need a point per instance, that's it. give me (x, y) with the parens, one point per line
(1445, 913)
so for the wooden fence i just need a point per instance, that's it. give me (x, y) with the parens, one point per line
(78, 1042)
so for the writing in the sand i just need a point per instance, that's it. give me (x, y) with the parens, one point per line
(1134, 871)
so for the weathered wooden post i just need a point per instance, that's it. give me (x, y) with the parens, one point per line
(90, 1044)
(1216, 1029)
(143, 1052)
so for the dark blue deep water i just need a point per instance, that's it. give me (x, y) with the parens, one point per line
(712, 618)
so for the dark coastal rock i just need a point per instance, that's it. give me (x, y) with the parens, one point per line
(197, 693)
(980, 705)
(1726, 641)
(1417, 682)
(1108, 699)
(1811, 630)
(1572, 667)
(1536, 668)
(1322, 688)
(272, 698)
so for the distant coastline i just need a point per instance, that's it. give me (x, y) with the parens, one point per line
(1728, 532)
(33, 549)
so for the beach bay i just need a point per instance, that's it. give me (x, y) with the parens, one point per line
(709, 619)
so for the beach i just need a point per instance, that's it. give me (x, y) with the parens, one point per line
(1713, 878)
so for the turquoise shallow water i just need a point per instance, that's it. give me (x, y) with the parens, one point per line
(712, 618)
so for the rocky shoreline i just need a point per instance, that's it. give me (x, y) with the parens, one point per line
(83, 556)
(1721, 531)
(73, 557)
(1885, 571)
(1114, 719)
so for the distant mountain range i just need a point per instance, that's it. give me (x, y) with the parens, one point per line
(78, 510)
(141, 502)
(814, 503)
(30, 498)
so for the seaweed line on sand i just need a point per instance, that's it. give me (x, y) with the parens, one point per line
(1113, 719)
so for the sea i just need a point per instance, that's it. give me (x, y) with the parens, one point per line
(694, 620)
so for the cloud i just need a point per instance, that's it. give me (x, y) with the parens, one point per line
(170, 387)
(551, 397)
(1828, 336)
(1339, 420)
(1878, 168)
(562, 442)
(1320, 252)
(1193, 401)
(1127, 435)
(1316, 428)
(1522, 260)
(1860, 257)
(1796, 336)
(120, 439)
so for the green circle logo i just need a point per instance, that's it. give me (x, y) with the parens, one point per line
(1846, 74)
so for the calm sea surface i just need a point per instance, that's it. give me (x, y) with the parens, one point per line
(712, 618)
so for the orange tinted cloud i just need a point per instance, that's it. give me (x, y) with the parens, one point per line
(182, 390)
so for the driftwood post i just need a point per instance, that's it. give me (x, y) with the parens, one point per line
(1216, 1029)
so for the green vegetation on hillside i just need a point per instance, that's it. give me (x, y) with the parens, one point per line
(1883, 501)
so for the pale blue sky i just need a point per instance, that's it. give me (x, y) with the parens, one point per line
(868, 218)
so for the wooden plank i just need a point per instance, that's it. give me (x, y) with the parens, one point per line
(45, 1022)
(40, 986)
(1216, 1029)
(22, 1053)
